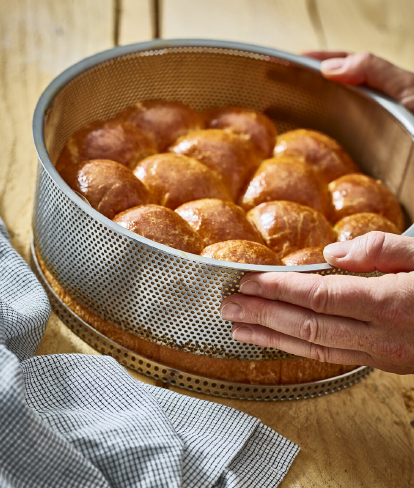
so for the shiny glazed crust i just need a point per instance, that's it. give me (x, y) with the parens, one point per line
(286, 179)
(273, 372)
(239, 120)
(174, 179)
(246, 252)
(160, 224)
(229, 155)
(320, 151)
(108, 186)
(162, 120)
(205, 169)
(309, 255)
(359, 224)
(216, 221)
(357, 193)
(287, 227)
(111, 139)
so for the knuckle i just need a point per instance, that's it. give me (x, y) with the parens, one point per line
(319, 295)
(365, 57)
(319, 353)
(374, 245)
(309, 329)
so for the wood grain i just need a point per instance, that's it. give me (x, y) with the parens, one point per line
(38, 41)
(382, 27)
(359, 437)
(281, 24)
(136, 21)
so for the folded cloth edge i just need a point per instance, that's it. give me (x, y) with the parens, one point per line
(24, 311)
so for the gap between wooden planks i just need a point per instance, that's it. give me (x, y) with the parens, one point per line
(360, 437)
(38, 41)
(380, 26)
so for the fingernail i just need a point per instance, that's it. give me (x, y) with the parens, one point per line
(232, 311)
(338, 250)
(243, 334)
(332, 65)
(251, 287)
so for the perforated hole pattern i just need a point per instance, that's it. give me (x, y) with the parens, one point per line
(165, 375)
(167, 299)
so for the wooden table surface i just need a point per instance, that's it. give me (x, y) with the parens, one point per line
(359, 437)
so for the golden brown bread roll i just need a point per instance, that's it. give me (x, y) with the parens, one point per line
(239, 251)
(108, 186)
(174, 180)
(361, 223)
(309, 255)
(357, 193)
(231, 156)
(162, 120)
(113, 139)
(160, 224)
(287, 227)
(239, 120)
(217, 221)
(320, 151)
(286, 179)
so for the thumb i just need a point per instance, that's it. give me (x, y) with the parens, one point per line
(375, 251)
(375, 72)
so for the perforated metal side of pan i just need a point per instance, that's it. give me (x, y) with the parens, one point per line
(160, 294)
(166, 375)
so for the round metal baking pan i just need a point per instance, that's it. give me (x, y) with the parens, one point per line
(187, 381)
(153, 291)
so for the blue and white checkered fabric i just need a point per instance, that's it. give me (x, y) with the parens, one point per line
(72, 420)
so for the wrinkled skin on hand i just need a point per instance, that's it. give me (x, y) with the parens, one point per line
(339, 319)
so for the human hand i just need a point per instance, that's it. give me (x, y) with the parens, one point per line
(339, 319)
(355, 69)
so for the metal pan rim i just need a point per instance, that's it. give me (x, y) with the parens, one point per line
(46, 101)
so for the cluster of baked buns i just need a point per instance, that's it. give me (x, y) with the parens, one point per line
(224, 184)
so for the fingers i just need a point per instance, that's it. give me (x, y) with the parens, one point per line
(322, 55)
(298, 322)
(355, 69)
(365, 299)
(262, 336)
(351, 70)
(375, 251)
(377, 73)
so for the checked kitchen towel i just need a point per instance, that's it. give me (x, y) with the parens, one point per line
(72, 420)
